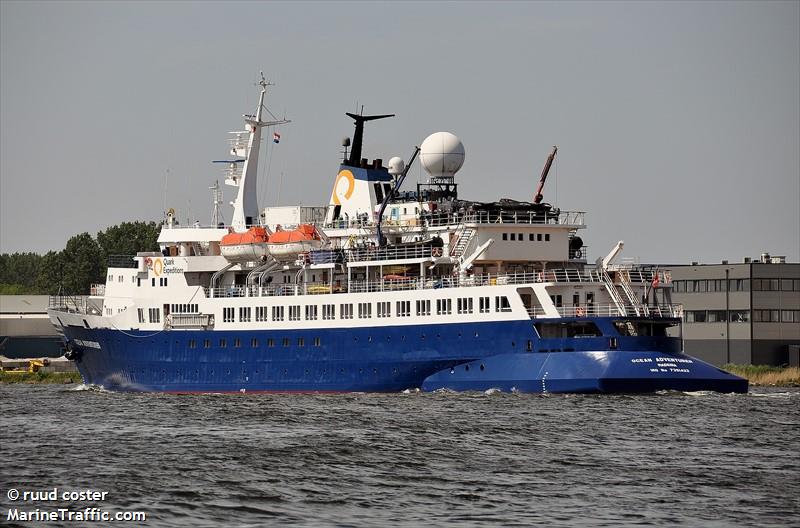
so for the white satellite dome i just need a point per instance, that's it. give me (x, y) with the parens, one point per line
(396, 166)
(442, 154)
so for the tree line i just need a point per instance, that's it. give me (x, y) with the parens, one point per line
(82, 262)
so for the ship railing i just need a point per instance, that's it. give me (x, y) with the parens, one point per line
(80, 304)
(576, 218)
(674, 311)
(417, 283)
(368, 254)
(97, 290)
(181, 320)
(122, 261)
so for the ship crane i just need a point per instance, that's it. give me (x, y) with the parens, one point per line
(537, 198)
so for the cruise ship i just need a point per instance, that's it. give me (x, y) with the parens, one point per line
(386, 288)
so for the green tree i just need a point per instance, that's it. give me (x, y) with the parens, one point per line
(51, 272)
(83, 264)
(18, 271)
(128, 238)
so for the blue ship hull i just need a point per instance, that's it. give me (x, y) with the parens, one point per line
(601, 371)
(458, 356)
(378, 359)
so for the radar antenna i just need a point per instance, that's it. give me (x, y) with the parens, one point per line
(358, 135)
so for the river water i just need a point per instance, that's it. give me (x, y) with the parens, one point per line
(406, 459)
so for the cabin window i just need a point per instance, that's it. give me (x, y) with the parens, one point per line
(301, 341)
(501, 304)
(277, 313)
(317, 342)
(464, 305)
(423, 307)
(384, 309)
(270, 342)
(346, 311)
(311, 312)
(505, 236)
(237, 343)
(547, 237)
(286, 341)
(227, 315)
(538, 237)
(155, 315)
(328, 311)
(513, 236)
(520, 237)
(483, 304)
(444, 306)
(110, 278)
(140, 312)
(364, 310)
(153, 282)
(404, 308)
(244, 314)
(294, 313)
(206, 343)
(254, 343)
(531, 237)
(192, 343)
(223, 343)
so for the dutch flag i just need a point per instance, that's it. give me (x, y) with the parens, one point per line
(276, 138)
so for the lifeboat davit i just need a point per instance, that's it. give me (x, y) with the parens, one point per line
(249, 246)
(286, 245)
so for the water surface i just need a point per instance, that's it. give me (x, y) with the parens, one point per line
(469, 459)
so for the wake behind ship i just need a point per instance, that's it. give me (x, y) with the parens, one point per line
(383, 289)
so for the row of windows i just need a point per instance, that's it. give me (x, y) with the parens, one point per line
(776, 316)
(742, 316)
(532, 237)
(365, 309)
(734, 285)
(716, 316)
(184, 308)
(254, 342)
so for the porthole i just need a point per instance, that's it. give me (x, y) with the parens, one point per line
(483, 367)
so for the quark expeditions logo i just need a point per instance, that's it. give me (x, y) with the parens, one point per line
(344, 187)
(161, 266)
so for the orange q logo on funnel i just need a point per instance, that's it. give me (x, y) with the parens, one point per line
(344, 187)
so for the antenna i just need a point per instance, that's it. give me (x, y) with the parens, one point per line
(216, 195)
(358, 136)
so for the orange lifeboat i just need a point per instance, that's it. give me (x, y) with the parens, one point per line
(245, 247)
(286, 245)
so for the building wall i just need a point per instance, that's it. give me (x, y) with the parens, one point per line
(763, 319)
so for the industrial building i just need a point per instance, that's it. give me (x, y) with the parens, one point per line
(744, 313)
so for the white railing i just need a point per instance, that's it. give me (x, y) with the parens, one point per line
(368, 254)
(74, 304)
(611, 310)
(416, 283)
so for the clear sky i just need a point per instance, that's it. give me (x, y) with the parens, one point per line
(678, 123)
